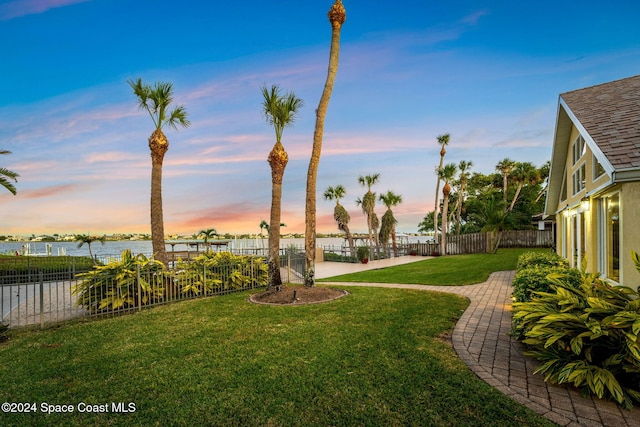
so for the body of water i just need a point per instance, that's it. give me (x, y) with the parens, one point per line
(114, 248)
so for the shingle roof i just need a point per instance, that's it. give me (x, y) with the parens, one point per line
(610, 113)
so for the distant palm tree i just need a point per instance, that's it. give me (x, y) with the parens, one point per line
(337, 15)
(280, 111)
(464, 167)
(340, 214)
(264, 225)
(156, 100)
(207, 234)
(85, 238)
(443, 140)
(368, 203)
(446, 174)
(389, 221)
(6, 175)
(505, 166)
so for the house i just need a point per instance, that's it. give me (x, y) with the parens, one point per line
(594, 182)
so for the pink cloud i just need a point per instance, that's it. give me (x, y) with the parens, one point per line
(47, 191)
(18, 8)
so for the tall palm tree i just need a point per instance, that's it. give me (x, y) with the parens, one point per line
(443, 140)
(523, 173)
(6, 175)
(446, 174)
(156, 100)
(85, 238)
(280, 111)
(388, 226)
(340, 214)
(464, 167)
(505, 166)
(368, 203)
(337, 15)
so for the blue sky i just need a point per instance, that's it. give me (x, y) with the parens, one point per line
(489, 73)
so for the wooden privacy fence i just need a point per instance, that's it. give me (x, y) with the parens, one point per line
(482, 242)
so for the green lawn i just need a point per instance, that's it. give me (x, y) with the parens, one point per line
(373, 358)
(447, 270)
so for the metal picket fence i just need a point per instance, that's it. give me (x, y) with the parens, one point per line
(44, 296)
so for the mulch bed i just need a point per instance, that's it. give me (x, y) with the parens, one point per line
(297, 295)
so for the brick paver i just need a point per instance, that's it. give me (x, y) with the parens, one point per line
(481, 339)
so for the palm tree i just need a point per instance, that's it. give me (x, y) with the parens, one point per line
(85, 238)
(207, 234)
(6, 175)
(464, 167)
(494, 218)
(337, 15)
(446, 174)
(504, 167)
(368, 203)
(280, 111)
(156, 100)
(523, 173)
(443, 140)
(389, 222)
(264, 225)
(340, 214)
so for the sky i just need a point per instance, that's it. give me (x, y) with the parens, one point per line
(488, 73)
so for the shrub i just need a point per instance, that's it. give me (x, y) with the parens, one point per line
(362, 252)
(220, 271)
(534, 279)
(121, 284)
(586, 334)
(550, 259)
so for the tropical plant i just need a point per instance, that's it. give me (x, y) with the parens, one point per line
(446, 174)
(6, 176)
(464, 167)
(219, 271)
(337, 16)
(504, 167)
(83, 239)
(388, 226)
(156, 100)
(586, 334)
(368, 204)
(340, 214)
(491, 215)
(443, 140)
(129, 282)
(362, 253)
(264, 225)
(280, 111)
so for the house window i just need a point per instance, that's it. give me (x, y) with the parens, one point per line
(563, 189)
(598, 170)
(578, 179)
(609, 236)
(578, 239)
(579, 148)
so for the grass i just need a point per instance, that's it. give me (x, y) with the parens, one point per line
(444, 271)
(375, 357)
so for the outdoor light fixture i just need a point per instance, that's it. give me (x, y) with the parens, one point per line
(584, 204)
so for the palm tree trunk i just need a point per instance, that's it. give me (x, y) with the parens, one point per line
(352, 247)
(515, 196)
(443, 241)
(393, 242)
(337, 17)
(158, 144)
(278, 160)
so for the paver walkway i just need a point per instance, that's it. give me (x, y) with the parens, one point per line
(481, 339)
